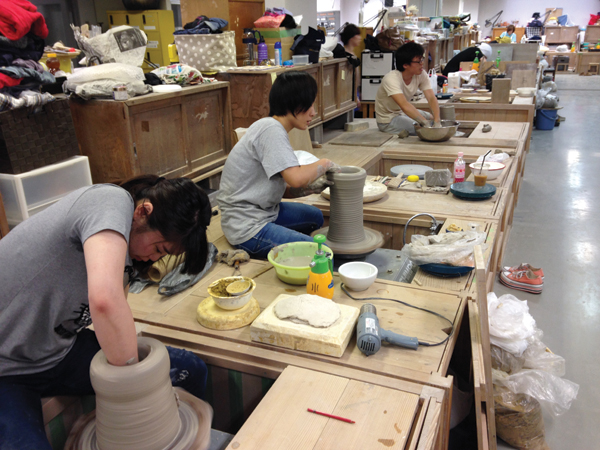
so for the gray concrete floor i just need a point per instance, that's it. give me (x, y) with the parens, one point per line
(557, 226)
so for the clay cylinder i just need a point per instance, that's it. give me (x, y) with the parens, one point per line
(135, 405)
(346, 205)
(447, 112)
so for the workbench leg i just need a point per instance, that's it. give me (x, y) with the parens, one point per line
(316, 134)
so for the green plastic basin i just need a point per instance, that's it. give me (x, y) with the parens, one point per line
(291, 261)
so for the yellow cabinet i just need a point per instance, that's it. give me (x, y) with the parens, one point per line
(158, 25)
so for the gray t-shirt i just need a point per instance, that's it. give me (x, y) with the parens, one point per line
(43, 278)
(251, 183)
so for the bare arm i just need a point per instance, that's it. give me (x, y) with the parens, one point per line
(113, 321)
(434, 106)
(409, 109)
(299, 178)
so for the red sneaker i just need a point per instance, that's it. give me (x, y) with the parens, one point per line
(525, 266)
(524, 280)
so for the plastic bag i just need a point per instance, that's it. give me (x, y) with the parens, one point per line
(506, 361)
(537, 356)
(433, 80)
(99, 81)
(124, 44)
(554, 393)
(510, 323)
(519, 420)
(455, 249)
(179, 74)
(550, 85)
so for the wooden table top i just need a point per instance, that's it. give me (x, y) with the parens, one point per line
(179, 313)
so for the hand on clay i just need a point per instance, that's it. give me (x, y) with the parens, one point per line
(423, 122)
(437, 125)
(333, 167)
(319, 185)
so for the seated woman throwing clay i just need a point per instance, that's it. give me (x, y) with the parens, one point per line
(395, 113)
(262, 169)
(69, 265)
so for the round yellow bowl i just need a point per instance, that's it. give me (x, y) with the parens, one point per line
(231, 302)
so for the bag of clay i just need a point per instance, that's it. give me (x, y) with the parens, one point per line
(511, 325)
(555, 394)
(538, 356)
(455, 249)
(506, 361)
(519, 420)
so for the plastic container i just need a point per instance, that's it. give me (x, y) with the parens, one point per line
(300, 60)
(545, 119)
(289, 259)
(31, 192)
(278, 61)
(53, 63)
(459, 169)
(263, 50)
(454, 80)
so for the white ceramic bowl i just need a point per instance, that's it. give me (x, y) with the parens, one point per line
(231, 302)
(526, 91)
(358, 275)
(494, 171)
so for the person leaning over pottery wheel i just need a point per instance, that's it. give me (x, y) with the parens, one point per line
(262, 169)
(70, 265)
(395, 114)
(468, 55)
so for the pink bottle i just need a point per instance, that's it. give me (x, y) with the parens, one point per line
(459, 169)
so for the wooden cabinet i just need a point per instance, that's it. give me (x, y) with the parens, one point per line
(250, 91)
(592, 33)
(180, 134)
(561, 35)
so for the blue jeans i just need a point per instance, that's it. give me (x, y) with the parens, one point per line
(21, 421)
(402, 122)
(294, 223)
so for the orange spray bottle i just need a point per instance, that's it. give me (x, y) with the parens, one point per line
(320, 278)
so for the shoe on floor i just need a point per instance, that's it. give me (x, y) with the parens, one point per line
(524, 280)
(525, 266)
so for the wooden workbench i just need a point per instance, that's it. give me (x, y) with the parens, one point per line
(173, 321)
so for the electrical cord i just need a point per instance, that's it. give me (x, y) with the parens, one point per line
(424, 344)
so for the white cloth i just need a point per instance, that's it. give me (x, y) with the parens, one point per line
(393, 83)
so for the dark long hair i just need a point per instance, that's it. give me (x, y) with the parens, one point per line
(181, 213)
(292, 92)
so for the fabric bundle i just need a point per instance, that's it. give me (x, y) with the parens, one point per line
(22, 33)
(203, 25)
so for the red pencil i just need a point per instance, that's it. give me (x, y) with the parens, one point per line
(330, 415)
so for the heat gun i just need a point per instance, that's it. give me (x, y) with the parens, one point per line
(370, 334)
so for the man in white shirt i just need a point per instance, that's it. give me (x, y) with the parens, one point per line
(393, 109)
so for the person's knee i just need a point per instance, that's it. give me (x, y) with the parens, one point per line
(188, 371)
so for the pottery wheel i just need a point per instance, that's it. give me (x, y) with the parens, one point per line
(209, 315)
(194, 434)
(373, 240)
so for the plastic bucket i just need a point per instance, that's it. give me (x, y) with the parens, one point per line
(545, 119)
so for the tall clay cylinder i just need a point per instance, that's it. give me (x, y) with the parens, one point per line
(346, 205)
(135, 405)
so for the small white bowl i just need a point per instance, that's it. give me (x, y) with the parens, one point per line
(526, 91)
(231, 302)
(494, 170)
(358, 275)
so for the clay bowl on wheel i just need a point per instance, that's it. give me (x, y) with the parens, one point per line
(444, 133)
(218, 291)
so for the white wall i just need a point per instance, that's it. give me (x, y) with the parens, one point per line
(306, 8)
(578, 10)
